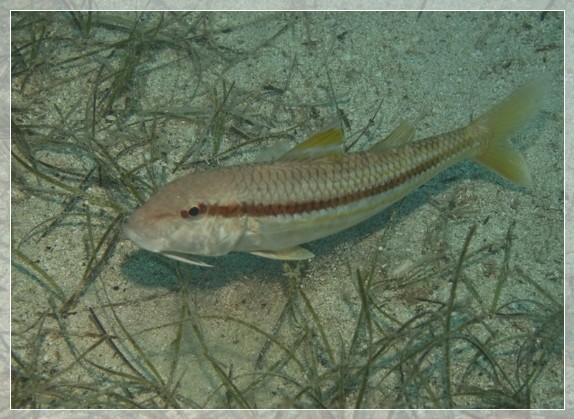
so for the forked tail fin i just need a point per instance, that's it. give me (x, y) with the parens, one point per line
(503, 120)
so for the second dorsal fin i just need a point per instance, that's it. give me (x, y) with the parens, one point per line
(403, 134)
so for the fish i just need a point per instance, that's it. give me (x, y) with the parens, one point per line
(316, 189)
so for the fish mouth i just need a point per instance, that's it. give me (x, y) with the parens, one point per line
(158, 246)
(142, 241)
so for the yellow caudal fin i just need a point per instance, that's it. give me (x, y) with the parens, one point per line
(503, 120)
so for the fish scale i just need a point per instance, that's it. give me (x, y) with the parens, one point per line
(316, 189)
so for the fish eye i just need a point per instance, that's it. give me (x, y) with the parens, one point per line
(192, 212)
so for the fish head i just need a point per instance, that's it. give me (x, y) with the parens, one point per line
(176, 222)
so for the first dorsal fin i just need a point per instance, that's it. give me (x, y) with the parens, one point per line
(326, 143)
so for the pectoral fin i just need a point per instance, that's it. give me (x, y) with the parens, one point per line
(294, 253)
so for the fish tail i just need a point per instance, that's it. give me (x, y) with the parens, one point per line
(499, 123)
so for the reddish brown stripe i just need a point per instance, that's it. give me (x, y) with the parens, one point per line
(263, 210)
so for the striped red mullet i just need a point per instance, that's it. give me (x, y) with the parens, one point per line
(315, 189)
